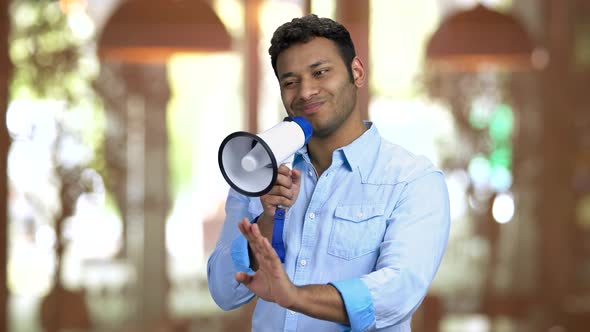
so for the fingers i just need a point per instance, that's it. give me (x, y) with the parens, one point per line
(284, 177)
(244, 226)
(283, 169)
(265, 253)
(259, 245)
(295, 178)
(268, 260)
(278, 196)
(246, 229)
(243, 278)
(270, 268)
(285, 190)
(252, 233)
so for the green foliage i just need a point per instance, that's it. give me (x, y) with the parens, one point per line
(45, 52)
(502, 123)
(53, 59)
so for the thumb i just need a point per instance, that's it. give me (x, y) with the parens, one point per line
(243, 278)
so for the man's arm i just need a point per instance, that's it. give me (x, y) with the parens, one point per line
(221, 265)
(232, 252)
(272, 284)
(321, 302)
(411, 251)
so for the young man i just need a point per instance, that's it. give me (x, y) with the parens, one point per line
(367, 221)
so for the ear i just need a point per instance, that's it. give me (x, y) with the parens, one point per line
(358, 72)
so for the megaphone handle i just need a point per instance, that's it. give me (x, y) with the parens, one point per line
(277, 233)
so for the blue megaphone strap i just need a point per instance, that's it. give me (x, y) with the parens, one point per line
(277, 233)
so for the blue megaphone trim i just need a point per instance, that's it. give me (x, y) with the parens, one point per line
(304, 124)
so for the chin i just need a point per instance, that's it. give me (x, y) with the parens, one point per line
(322, 132)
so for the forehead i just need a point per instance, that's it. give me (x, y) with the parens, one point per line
(300, 56)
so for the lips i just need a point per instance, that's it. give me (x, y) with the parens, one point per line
(310, 108)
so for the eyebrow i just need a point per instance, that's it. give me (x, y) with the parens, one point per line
(312, 66)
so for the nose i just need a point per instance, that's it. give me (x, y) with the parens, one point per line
(308, 88)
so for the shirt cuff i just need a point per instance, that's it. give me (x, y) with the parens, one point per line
(358, 302)
(239, 254)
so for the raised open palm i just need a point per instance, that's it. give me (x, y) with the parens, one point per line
(270, 282)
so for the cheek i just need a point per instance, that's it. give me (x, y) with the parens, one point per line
(287, 100)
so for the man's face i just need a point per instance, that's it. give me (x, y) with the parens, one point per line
(315, 84)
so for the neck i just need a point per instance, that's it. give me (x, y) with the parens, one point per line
(320, 149)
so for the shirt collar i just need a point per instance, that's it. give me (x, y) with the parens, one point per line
(360, 153)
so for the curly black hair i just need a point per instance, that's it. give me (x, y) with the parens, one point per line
(302, 30)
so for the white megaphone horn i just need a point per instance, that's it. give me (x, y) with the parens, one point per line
(249, 163)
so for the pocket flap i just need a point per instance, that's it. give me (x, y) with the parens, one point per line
(359, 212)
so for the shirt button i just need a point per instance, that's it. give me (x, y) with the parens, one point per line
(292, 312)
(312, 216)
(303, 262)
(310, 173)
(359, 215)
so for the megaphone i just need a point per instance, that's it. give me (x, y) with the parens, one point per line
(249, 163)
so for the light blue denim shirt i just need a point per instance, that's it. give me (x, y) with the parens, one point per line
(375, 225)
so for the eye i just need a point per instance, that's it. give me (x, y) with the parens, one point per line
(288, 84)
(320, 72)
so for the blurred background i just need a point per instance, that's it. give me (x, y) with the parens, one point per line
(115, 109)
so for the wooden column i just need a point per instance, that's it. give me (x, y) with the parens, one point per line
(557, 204)
(251, 64)
(354, 15)
(306, 6)
(5, 69)
(136, 98)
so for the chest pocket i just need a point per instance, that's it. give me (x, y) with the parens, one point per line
(357, 230)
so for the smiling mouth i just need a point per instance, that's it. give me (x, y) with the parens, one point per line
(311, 108)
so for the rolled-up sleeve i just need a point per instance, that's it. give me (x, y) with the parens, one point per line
(230, 256)
(358, 303)
(410, 254)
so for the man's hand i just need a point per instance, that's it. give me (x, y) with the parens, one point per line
(270, 282)
(283, 193)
